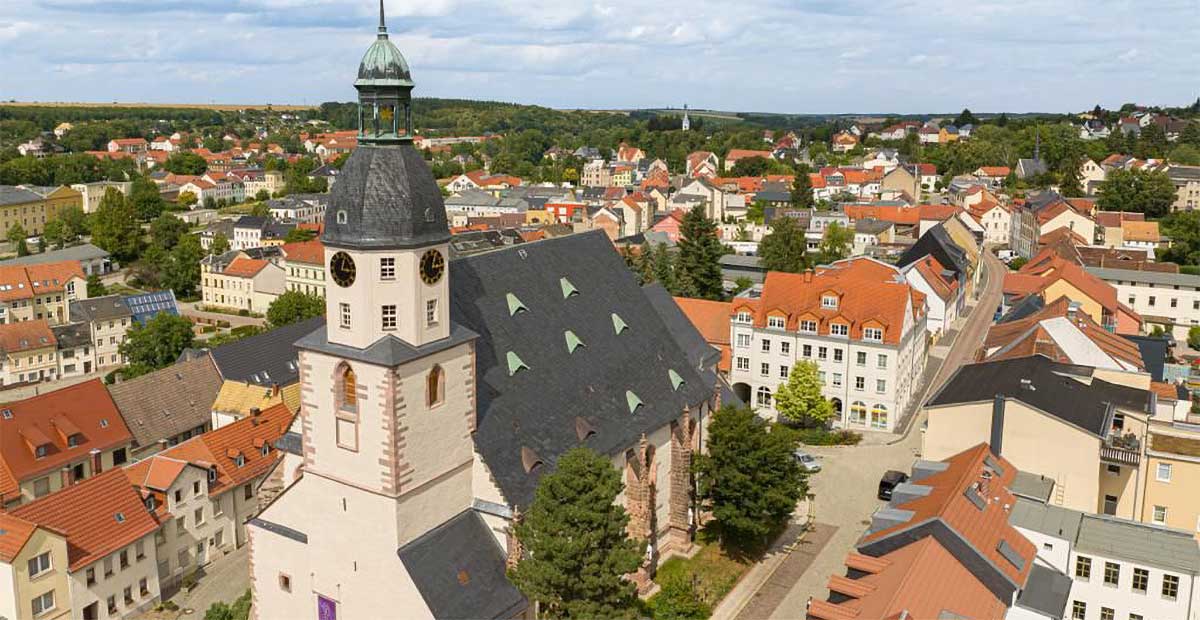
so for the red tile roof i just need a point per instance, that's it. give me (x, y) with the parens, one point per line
(26, 336)
(931, 271)
(1028, 336)
(23, 282)
(869, 294)
(736, 154)
(711, 319)
(1113, 219)
(940, 213)
(14, 533)
(995, 171)
(245, 267)
(311, 252)
(909, 216)
(98, 516)
(51, 418)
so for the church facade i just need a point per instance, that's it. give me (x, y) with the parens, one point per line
(439, 392)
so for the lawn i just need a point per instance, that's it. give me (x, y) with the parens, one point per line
(704, 578)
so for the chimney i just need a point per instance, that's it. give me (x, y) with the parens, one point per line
(96, 466)
(65, 474)
(808, 275)
(274, 389)
(255, 412)
(997, 437)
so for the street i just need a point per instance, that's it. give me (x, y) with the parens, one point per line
(844, 491)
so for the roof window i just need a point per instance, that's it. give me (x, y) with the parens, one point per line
(515, 364)
(573, 341)
(514, 305)
(568, 289)
(7, 414)
(633, 401)
(676, 380)
(618, 323)
(120, 517)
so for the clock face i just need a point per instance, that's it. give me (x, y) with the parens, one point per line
(341, 267)
(432, 266)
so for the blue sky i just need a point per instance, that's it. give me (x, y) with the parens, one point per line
(822, 56)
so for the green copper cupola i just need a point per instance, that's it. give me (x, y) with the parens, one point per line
(384, 87)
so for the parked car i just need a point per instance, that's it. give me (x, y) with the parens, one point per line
(888, 482)
(807, 461)
(1006, 255)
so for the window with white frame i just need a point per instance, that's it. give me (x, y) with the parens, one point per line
(763, 397)
(822, 353)
(860, 383)
(743, 317)
(881, 361)
(881, 385)
(860, 358)
(389, 317)
(765, 369)
(873, 334)
(766, 345)
(39, 564)
(808, 327)
(743, 341)
(743, 363)
(344, 313)
(43, 603)
(387, 268)
(1163, 472)
(1160, 515)
(839, 329)
(776, 322)
(829, 301)
(837, 355)
(837, 379)
(785, 347)
(806, 350)
(783, 372)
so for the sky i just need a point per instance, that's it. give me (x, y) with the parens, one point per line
(793, 56)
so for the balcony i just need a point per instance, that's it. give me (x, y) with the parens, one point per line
(1123, 450)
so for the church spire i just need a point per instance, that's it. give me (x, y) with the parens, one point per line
(384, 93)
(382, 25)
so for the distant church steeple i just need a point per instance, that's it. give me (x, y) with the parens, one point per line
(687, 123)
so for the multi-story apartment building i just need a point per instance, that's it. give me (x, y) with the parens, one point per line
(48, 442)
(92, 193)
(304, 263)
(858, 320)
(596, 173)
(237, 282)
(1169, 300)
(40, 291)
(29, 353)
(301, 208)
(1187, 187)
(108, 319)
(32, 207)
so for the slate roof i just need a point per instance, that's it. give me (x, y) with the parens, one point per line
(1154, 353)
(82, 252)
(72, 335)
(1046, 592)
(15, 195)
(937, 242)
(1050, 388)
(267, 358)
(538, 407)
(1173, 550)
(165, 403)
(700, 353)
(387, 198)
(100, 308)
(458, 567)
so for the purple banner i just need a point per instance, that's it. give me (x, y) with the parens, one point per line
(326, 608)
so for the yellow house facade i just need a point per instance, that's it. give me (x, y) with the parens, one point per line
(1173, 475)
(43, 593)
(31, 208)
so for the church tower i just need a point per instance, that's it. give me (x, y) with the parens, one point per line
(687, 122)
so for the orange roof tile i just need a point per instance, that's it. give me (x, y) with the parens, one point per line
(14, 533)
(23, 282)
(940, 213)
(245, 267)
(98, 516)
(931, 271)
(47, 418)
(26, 336)
(311, 252)
(995, 171)
(711, 319)
(1027, 336)
(736, 154)
(1140, 231)
(869, 294)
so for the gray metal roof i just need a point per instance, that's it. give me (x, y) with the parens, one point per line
(1168, 549)
(385, 198)
(100, 308)
(1109, 274)
(266, 359)
(458, 567)
(1046, 591)
(11, 195)
(82, 252)
(1032, 486)
(1046, 519)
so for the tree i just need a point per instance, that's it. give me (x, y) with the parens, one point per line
(802, 196)
(181, 273)
(1185, 154)
(751, 481)
(54, 233)
(16, 239)
(1183, 227)
(75, 222)
(800, 400)
(698, 267)
(220, 244)
(260, 209)
(298, 234)
(95, 287)
(293, 307)
(574, 533)
(661, 267)
(186, 200)
(166, 230)
(157, 344)
(835, 243)
(966, 118)
(1151, 193)
(146, 200)
(1070, 186)
(262, 195)
(185, 162)
(1193, 339)
(756, 212)
(115, 227)
(785, 248)
(239, 610)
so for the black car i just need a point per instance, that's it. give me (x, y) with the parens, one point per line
(889, 481)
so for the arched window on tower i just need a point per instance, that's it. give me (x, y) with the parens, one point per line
(346, 413)
(347, 389)
(435, 387)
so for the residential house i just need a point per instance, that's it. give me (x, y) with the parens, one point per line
(30, 353)
(73, 348)
(595, 173)
(32, 207)
(944, 297)
(993, 175)
(304, 267)
(31, 577)
(1058, 277)
(299, 208)
(702, 164)
(630, 154)
(169, 405)
(1169, 300)
(1110, 226)
(92, 193)
(843, 142)
(996, 220)
(49, 442)
(857, 319)
(91, 259)
(736, 155)
(1187, 187)
(1142, 236)
(700, 191)
(107, 320)
(128, 145)
(937, 242)
(236, 282)
(870, 233)
(901, 179)
(40, 291)
(711, 320)
(1091, 175)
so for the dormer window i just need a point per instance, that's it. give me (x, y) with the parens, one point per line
(73, 440)
(212, 474)
(41, 451)
(239, 460)
(839, 329)
(743, 317)
(266, 448)
(150, 503)
(341, 216)
(808, 327)
(874, 334)
(777, 322)
(829, 301)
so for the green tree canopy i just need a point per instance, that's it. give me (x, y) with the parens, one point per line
(115, 227)
(800, 400)
(157, 344)
(802, 196)
(1183, 227)
(185, 162)
(146, 200)
(835, 243)
(966, 118)
(785, 248)
(16, 239)
(750, 478)
(299, 234)
(181, 273)
(220, 244)
(1193, 338)
(574, 533)
(293, 307)
(751, 167)
(1151, 193)
(166, 229)
(186, 200)
(698, 267)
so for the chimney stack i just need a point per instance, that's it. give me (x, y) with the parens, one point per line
(255, 412)
(65, 476)
(996, 441)
(808, 275)
(97, 467)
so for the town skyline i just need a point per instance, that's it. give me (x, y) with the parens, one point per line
(860, 58)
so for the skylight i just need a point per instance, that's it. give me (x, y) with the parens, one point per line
(120, 517)
(514, 305)
(618, 323)
(573, 341)
(568, 289)
(515, 364)
(676, 380)
(633, 401)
